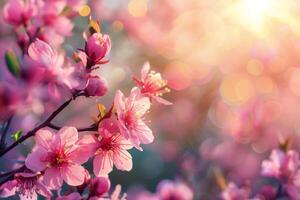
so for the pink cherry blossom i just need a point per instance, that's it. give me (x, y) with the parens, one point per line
(96, 48)
(96, 86)
(110, 149)
(281, 165)
(60, 155)
(232, 192)
(131, 113)
(44, 57)
(167, 189)
(152, 84)
(26, 185)
(17, 12)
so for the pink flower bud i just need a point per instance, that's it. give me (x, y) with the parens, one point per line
(96, 48)
(96, 86)
(18, 12)
(99, 186)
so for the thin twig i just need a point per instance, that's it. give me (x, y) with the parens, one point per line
(44, 124)
(12, 172)
(92, 127)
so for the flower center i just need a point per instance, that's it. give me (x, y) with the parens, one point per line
(106, 144)
(57, 158)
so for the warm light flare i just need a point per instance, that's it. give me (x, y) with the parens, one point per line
(255, 14)
(257, 10)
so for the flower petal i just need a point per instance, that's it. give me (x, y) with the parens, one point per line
(43, 190)
(40, 51)
(86, 147)
(8, 188)
(141, 106)
(145, 70)
(123, 160)
(119, 101)
(103, 164)
(68, 136)
(43, 138)
(144, 133)
(53, 178)
(73, 174)
(34, 160)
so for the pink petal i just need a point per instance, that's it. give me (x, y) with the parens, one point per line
(144, 133)
(53, 178)
(13, 11)
(278, 157)
(73, 174)
(119, 101)
(162, 101)
(40, 51)
(124, 143)
(53, 90)
(63, 26)
(86, 148)
(8, 188)
(134, 95)
(43, 138)
(141, 106)
(103, 164)
(43, 190)
(123, 160)
(26, 174)
(82, 153)
(68, 135)
(145, 70)
(34, 160)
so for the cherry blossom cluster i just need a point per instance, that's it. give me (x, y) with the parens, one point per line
(168, 189)
(42, 72)
(283, 170)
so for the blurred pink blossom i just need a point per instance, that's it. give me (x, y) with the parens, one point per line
(232, 192)
(167, 189)
(96, 86)
(17, 12)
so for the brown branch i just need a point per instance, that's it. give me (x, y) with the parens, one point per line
(44, 124)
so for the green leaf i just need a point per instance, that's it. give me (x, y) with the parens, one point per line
(12, 63)
(17, 135)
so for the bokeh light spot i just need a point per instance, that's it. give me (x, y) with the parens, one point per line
(137, 8)
(236, 89)
(117, 25)
(254, 67)
(84, 11)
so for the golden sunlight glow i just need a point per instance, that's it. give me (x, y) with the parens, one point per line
(137, 8)
(255, 14)
(256, 10)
